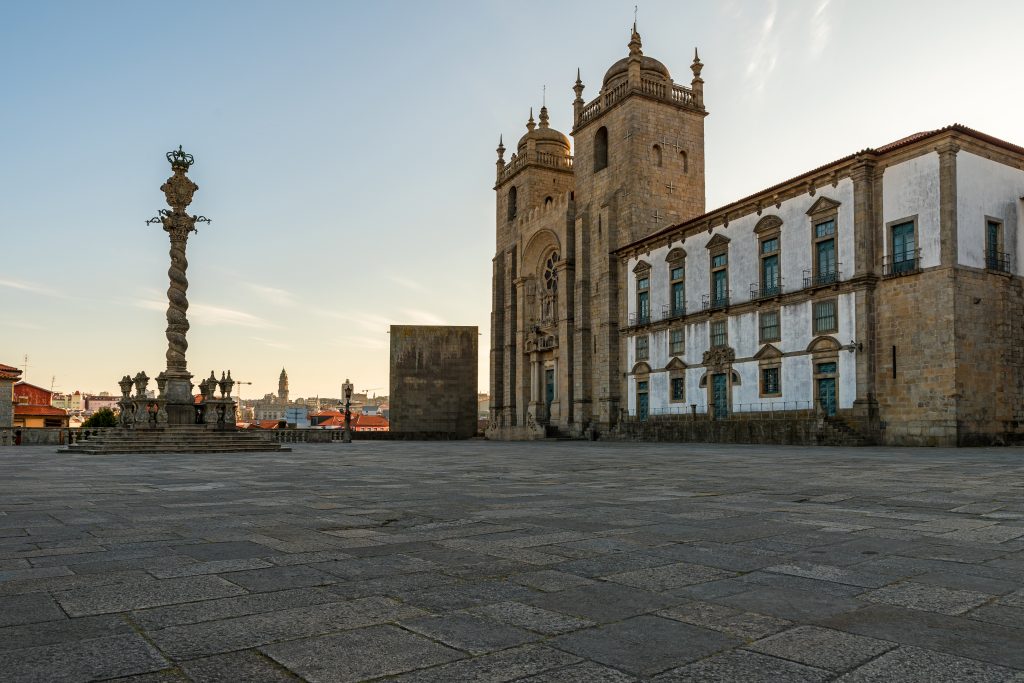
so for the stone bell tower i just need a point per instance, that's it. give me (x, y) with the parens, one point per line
(282, 387)
(639, 167)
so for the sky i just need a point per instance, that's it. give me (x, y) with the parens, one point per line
(345, 153)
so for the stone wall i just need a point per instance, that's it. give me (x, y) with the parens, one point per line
(6, 403)
(433, 383)
(989, 357)
(801, 429)
(917, 400)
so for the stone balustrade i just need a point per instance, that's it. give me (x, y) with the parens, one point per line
(671, 92)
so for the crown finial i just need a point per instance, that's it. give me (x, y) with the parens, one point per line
(530, 125)
(178, 157)
(543, 117)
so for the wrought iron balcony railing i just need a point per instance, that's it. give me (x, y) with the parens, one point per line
(638, 319)
(821, 278)
(765, 291)
(903, 263)
(997, 261)
(710, 302)
(668, 312)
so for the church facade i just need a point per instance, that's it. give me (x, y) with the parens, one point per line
(878, 295)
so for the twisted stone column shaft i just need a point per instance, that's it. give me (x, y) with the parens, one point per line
(177, 305)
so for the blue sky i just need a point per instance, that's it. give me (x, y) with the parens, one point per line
(345, 152)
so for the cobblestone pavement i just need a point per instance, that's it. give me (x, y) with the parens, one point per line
(554, 562)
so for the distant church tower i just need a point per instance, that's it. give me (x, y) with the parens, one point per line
(558, 291)
(282, 386)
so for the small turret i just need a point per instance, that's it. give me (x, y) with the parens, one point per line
(501, 155)
(697, 84)
(577, 104)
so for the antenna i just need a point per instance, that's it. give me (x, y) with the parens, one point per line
(636, 9)
(544, 96)
(24, 369)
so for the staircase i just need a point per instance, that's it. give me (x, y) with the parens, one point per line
(185, 439)
(834, 431)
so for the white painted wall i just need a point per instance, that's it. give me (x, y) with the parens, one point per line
(744, 263)
(911, 188)
(987, 188)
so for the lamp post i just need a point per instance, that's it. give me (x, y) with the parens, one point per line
(347, 390)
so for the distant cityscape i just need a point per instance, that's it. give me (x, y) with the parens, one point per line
(39, 407)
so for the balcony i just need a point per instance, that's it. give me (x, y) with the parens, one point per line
(639, 319)
(904, 263)
(821, 279)
(713, 303)
(670, 313)
(766, 291)
(997, 261)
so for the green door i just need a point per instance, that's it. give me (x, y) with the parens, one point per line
(719, 395)
(642, 406)
(827, 388)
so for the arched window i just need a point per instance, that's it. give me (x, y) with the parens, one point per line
(548, 201)
(686, 161)
(601, 149)
(512, 193)
(656, 155)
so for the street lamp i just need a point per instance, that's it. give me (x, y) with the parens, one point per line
(347, 390)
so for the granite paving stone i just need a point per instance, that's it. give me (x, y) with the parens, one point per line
(584, 672)
(954, 635)
(233, 667)
(470, 633)
(927, 597)
(212, 637)
(279, 578)
(916, 665)
(360, 654)
(28, 608)
(603, 602)
(533, 618)
(82, 660)
(122, 597)
(822, 647)
(61, 631)
(224, 608)
(735, 622)
(580, 561)
(749, 667)
(551, 580)
(668, 576)
(497, 667)
(644, 645)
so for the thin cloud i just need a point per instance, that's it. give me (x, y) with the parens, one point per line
(32, 287)
(821, 28)
(764, 55)
(418, 317)
(273, 295)
(205, 314)
(407, 283)
(271, 343)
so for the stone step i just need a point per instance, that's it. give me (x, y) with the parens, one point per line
(186, 439)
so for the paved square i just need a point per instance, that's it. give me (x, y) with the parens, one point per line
(563, 561)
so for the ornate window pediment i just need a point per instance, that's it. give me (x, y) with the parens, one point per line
(823, 345)
(641, 267)
(768, 351)
(719, 241)
(768, 224)
(641, 369)
(677, 254)
(675, 364)
(823, 205)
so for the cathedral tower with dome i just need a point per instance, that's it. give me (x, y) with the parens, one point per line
(638, 167)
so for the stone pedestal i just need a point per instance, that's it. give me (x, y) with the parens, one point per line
(180, 404)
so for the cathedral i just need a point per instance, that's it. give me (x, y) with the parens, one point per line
(875, 299)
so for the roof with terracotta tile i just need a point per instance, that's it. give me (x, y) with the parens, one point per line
(38, 411)
(868, 151)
